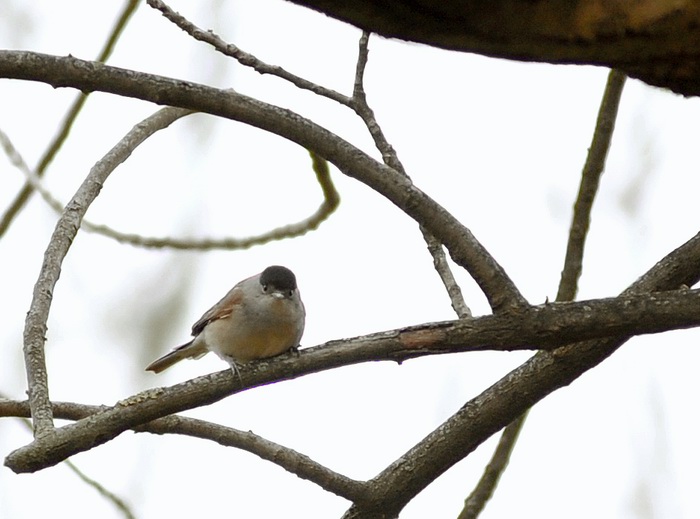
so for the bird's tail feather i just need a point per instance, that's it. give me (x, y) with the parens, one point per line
(190, 350)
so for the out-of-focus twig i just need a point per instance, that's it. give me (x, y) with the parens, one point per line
(55, 145)
(331, 200)
(484, 489)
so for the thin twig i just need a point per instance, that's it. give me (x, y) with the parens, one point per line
(484, 489)
(590, 180)
(331, 200)
(55, 145)
(361, 107)
(61, 240)
(568, 285)
(244, 58)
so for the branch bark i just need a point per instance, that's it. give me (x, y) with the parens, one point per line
(508, 398)
(654, 41)
(544, 327)
(464, 248)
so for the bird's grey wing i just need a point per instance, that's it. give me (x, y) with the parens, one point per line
(220, 310)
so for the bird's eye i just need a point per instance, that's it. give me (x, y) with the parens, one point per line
(265, 287)
(289, 293)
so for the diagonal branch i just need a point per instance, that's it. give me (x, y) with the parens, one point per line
(244, 58)
(590, 180)
(593, 168)
(543, 327)
(511, 396)
(361, 107)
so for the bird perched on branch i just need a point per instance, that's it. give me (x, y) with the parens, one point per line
(262, 316)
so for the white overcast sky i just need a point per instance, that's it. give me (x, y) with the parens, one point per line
(499, 144)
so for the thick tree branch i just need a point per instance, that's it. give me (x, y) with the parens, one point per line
(542, 327)
(85, 75)
(654, 41)
(511, 396)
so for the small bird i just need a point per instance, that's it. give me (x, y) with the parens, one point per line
(262, 316)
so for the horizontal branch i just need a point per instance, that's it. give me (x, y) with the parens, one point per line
(290, 460)
(546, 327)
(656, 42)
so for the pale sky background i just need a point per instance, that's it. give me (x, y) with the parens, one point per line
(499, 144)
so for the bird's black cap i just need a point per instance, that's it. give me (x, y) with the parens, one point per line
(279, 277)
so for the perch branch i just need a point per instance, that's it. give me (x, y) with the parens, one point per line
(544, 327)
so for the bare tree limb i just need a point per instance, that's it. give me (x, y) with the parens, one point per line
(464, 248)
(21, 409)
(61, 240)
(390, 157)
(511, 396)
(568, 284)
(290, 460)
(544, 327)
(23, 196)
(475, 502)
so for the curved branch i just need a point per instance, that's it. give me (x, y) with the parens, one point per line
(290, 460)
(61, 240)
(331, 200)
(464, 248)
(543, 327)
